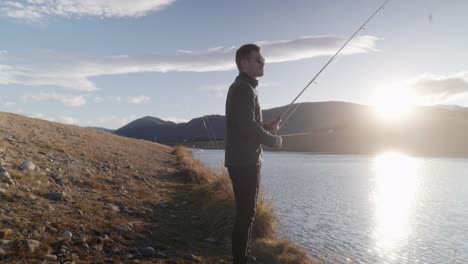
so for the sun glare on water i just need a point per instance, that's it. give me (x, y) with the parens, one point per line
(395, 194)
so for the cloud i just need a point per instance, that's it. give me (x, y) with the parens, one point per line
(73, 72)
(36, 10)
(142, 99)
(314, 46)
(68, 120)
(217, 90)
(434, 88)
(175, 119)
(3, 54)
(6, 104)
(112, 122)
(67, 100)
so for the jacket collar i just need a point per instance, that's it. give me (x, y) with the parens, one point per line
(244, 77)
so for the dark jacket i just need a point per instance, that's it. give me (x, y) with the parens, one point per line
(244, 125)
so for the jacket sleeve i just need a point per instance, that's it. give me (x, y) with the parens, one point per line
(244, 117)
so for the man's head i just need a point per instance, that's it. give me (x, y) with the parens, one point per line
(250, 61)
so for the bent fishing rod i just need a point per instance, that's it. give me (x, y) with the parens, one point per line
(323, 68)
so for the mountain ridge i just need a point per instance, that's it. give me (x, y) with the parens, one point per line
(339, 128)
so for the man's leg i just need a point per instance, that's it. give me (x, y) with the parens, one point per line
(245, 182)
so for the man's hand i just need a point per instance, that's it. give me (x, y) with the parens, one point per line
(274, 126)
(278, 143)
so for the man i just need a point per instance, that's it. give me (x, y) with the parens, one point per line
(245, 133)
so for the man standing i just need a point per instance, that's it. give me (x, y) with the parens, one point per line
(245, 133)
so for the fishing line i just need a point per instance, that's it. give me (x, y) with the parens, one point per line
(325, 66)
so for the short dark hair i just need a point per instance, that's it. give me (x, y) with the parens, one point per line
(244, 53)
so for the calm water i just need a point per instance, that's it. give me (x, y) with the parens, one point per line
(390, 208)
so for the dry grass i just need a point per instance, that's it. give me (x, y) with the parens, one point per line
(216, 200)
(99, 169)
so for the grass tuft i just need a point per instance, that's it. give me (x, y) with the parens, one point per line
(217, 205)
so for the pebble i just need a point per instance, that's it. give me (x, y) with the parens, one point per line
(98, 239)
(113, 207)
(191, 257)
(147, 252)
(32, 245)
(2, 252)
(4, 233)
(27, 165)
(160, 255)
(67, 235)
(57, 196)
(50, 257)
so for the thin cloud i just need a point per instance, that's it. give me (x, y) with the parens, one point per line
(3, 54)
(175, 119)
(6, 104)
(440, 88)
(74, 72)
(36, 10)
(314, 46)
(112, 122)
(68, 120)
(142, 99)
(67, 100)
(217, 90)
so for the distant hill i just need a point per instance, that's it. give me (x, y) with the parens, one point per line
(154, 129)
(103, 129)
(338, 127)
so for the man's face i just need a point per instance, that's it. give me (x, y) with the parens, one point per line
(253, 66)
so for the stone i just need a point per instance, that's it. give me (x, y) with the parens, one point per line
(57, 196)
(147, 252)
(160, 255)
(2, 252)
(3, 191)
(67, 235)
(4, 233)
(27, 165)
(32, 245)
(50, 257)
(74, 255)
(191, 257)
(5, 177)
(5, 243)
(125, 228)
(113, 207)
(85, 246)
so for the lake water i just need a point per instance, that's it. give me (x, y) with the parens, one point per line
(390, 208)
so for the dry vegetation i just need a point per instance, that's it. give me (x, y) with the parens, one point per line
(217, 207)
(120, 196)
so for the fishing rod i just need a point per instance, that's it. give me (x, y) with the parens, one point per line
(325, 66)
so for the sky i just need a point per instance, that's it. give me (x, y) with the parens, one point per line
(106, 63)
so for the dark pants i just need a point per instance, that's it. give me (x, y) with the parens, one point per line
(245, 182)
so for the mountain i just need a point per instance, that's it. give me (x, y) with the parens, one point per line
(340, 127)
(150, 128)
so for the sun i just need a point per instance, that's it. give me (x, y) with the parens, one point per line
(392, 104)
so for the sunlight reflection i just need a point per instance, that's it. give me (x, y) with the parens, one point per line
(396, 177)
